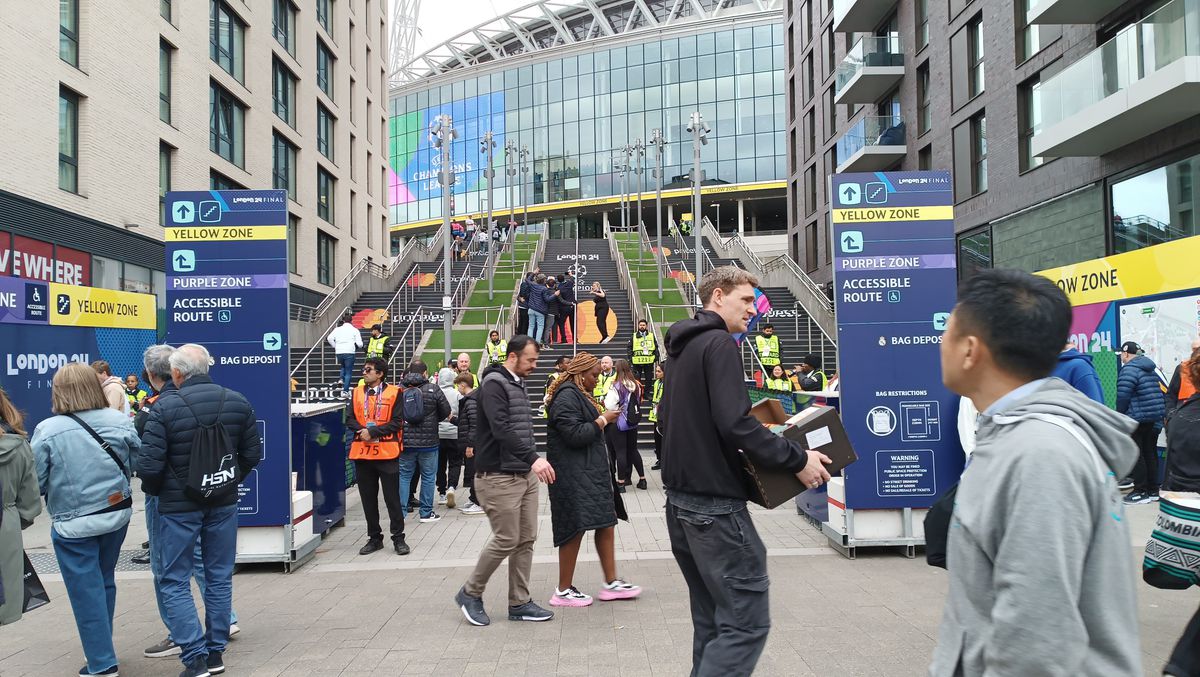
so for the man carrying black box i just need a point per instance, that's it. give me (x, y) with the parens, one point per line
(705, 419)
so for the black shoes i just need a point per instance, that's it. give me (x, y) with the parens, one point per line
(215, 665)
(141, 558)
(620, 488)
(370, 547)
(656, 466)
(401, 547)
(641, 483)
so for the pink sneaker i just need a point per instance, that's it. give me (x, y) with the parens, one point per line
(570, 597)
(618, 589)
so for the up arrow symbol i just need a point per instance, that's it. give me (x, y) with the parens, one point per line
(183, 211)
(849, 241)
(849, 193)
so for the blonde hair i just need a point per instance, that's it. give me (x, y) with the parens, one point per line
(10, 414)
(75, 388)
(725, 278)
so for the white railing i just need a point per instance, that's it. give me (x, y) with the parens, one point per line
(305, 362)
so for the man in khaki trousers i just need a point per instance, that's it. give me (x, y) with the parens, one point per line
(507, 470)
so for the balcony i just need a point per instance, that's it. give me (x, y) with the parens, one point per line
(876, 143)
(860, 16)
(871, 69)
(1071, 11)
(1144, 80)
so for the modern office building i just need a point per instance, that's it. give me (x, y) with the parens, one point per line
(1070, 126)
(111, 103)
(575, 85)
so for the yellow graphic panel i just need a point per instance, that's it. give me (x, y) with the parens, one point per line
(1154, 270)
(72, 306)
(588, 329)
(212, 233)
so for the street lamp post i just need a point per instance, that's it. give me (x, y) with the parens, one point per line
(441, 135)
(524, 178)
(656, 140)
(486, 145)
(718, 206)
(510, 159)
(639, 149)
(699, 130)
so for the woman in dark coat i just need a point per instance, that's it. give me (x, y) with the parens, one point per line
(583, 496)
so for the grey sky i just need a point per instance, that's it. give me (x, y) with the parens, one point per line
(441, 20)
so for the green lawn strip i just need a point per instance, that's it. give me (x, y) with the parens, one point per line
(479, 317)
(461, 340)
(479, 298)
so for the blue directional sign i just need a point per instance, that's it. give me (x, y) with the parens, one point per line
(227, 289)
(895, 276)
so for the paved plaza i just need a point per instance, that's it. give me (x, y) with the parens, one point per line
(342, 614)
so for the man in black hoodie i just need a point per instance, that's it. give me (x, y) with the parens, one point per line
(705, 419)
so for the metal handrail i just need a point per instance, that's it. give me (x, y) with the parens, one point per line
(323, 343)
(402, 342)
(785, 261)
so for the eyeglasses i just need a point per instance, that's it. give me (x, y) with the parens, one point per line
(369, 370)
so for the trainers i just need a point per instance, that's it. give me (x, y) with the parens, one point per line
(400, 546)
(233, 630)
(471, 509)
(1125, 484)
(450, 497)
(441, 500)
(1139, 498)
(472, 608)
(529, 611)
(111, 672)
(618, 589)
(197, 668)
(433, 517)
(165, 648)
(641, 483)
(140, 558)
(657, 466)
(371, 546)
(215, 665)
(570, 597)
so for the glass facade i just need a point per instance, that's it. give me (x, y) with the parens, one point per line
(1156, 206)
(576, 113)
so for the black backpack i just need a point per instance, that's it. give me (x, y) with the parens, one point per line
(414, 405)
(212, 477)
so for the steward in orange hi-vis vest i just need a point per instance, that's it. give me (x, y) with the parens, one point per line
(373, 410)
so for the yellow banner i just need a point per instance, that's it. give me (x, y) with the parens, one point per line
(878, 214)
(211, 233)
(94, 307)
(1160, 269)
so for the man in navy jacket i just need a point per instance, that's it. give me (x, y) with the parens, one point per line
(1140, 397)
(1076, 369)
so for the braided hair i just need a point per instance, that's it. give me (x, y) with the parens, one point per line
(574, 370)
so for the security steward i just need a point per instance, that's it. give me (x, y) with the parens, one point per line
(778, 380)
(377, 423)
(605, 380)
(810, 379)
(496, 349)
(656, 394)
(643, 353)
(134, 393)
(377, 346)
(768, 347)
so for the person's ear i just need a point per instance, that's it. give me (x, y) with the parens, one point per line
(974, 354)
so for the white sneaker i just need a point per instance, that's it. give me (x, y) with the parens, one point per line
(433, 517)
(449, 497)
(441, 499)
(471, 509)
(234, 629)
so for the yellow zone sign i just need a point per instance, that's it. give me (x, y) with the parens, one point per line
(215, 233)
(881, 214)
(94, 307)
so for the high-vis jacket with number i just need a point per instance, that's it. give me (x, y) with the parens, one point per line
(496, 352)
(377, 412)
(768, 350)
(377, 345)
(644, 349)
(603, 383)
(782, 385)
(655, 398)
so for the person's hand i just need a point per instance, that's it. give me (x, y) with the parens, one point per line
(607, 417)
(814, 473)
(544, 470)
(470, 453)
(365, 434)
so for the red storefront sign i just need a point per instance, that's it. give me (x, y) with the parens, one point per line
(37, 260)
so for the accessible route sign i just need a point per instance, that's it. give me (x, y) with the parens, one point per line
(895, 276)
(227, 289)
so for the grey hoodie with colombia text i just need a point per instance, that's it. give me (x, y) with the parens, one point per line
(1039, 556)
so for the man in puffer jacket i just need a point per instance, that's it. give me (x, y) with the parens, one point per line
(421, 439)
(1140, 397)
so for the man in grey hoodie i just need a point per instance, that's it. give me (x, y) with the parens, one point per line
(1041, 572)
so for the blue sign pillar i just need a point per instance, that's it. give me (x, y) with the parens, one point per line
(895, 281)
(227, 289)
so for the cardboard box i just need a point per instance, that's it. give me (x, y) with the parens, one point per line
(819, 428)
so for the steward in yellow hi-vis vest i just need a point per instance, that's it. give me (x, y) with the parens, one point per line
(655, 398)
(378, 343)
(645, 348)
(603, 383)
(768, 346)
(778, 380)
(497, 349)
(378, 419)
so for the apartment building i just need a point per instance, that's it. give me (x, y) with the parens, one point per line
(111, 103)
(1070, 126)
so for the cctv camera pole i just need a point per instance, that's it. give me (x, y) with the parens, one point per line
(699, 131)
(510, 156)
(524, 178)
(639, 149)
(656, 140)
(441, 135)
(486, 145)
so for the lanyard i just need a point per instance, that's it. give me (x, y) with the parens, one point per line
(378, 404)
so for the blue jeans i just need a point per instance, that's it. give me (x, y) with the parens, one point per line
(428, 458)
(156, 562)
(178, 532)
(347, 362)
(88, 566)
(537, 324)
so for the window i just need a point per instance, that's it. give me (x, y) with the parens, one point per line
(226, 125)
(164, 180)
(218, 181)
(809, 79)
(284, 25)
(68, 31)
(925, 158)
(830, 51)
(227, 38)
(922, 7)
(810, 247)
(810, 128)
(283, 174)
(324, 69)
(1032, 38)
(810, 187)
(966, 62)
(979, 173)
(1029, 122)
(975, 58)
(370, 186)
(325, 130)
(326, 248)
(325, 14)
(970, 157)
(353, 87)
(326, 185)
(106, 273)
(808, 22)
(353, 221)
(293, 237)
(974, 252)
(284, 92)
(830, 114)
(68, 140)
(1155, 206)
(136, 279)
(164, 9)
(353, 157)
(165, 51)
(924, 108)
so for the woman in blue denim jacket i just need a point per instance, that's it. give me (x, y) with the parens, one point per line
(89, 500)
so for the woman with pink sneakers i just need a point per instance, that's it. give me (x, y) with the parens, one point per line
(583, 496)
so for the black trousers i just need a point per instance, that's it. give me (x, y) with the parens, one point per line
(469, 476)
(602, 320)
(658, 441)
(1146, 439)
(565, 318)
(522, 322)
(450, 462)
(371, 475)
(645, 374)
(725, 565)
(628, 458)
